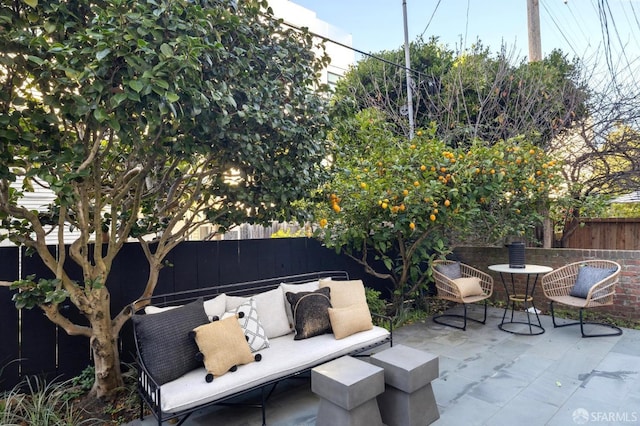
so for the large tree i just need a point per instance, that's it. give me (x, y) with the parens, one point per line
(469, 94)
(145, 120)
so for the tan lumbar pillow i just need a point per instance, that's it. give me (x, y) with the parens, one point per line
(223, 346)
(469, 286)
(350, 320)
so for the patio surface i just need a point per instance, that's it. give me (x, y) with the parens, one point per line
(491, 377)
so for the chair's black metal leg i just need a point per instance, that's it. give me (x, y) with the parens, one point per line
(464, 327)
(617, 330)
(553, 316)
(484, 320)
(465, 318)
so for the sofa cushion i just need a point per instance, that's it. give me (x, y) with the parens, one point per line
(587, 277)
(451, 270)
(157, 309)
(165, 346)
(295, 288)
(272, 312)
(310, 312)
(285, 356)
(232, 302)
(223, 345)
(252, 326)
(345, 293)
(216, 306)
(469, 286)
(350, 320)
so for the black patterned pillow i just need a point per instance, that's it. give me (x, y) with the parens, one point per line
(165, 346)
(310, 312)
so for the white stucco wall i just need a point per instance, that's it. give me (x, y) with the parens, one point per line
(341, 57)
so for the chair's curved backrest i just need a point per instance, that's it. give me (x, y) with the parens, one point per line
(560, 282)
(447, 290)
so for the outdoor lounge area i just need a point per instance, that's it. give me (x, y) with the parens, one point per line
(489, 376)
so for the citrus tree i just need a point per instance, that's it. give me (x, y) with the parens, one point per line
(145, 120)
(393, 205)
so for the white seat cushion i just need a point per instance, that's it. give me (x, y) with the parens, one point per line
(284, 356)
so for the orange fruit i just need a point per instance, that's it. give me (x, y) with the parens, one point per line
(384, 205)
(416, 183)
(405, 192)
(323, 222)
(432, 218)
(412, 226)
(363, 185)
(336, 208)
(447, 203)
(423, 167)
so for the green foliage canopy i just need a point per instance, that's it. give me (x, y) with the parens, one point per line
(471, 95)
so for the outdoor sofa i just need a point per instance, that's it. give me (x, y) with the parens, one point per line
(172, 380)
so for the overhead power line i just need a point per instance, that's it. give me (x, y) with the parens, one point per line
(370, 55)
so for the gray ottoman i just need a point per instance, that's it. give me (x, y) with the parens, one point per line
(408, 399)
(348, 388)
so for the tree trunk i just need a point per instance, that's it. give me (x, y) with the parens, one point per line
(104, 347)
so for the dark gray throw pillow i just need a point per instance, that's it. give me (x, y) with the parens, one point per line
(451, 270)
(310, 312)
(587, 277)
(165, 346)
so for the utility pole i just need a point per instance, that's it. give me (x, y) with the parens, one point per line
(535, 55)
(407, 67)
(533, 21)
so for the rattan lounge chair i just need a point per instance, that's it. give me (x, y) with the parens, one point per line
(445, 274)
(597, 289)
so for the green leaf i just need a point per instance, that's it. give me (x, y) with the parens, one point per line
(102, 54)
(172, 97)
(166, 50)
(32, 3)
(36, 60)
(136, 85)
(100, 114)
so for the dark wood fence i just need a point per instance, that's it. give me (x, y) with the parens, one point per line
(31, 344)
(611, 234)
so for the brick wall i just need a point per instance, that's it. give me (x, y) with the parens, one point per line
(626, 302)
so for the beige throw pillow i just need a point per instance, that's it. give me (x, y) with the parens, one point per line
(345, 293)
(350, 320)
(223, 345)
(469, 286)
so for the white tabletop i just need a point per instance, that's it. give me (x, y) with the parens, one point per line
(528, 269)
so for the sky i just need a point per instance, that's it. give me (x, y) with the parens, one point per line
(570, 25)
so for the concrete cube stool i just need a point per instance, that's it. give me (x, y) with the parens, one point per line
(408, 399)
(348, 388)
